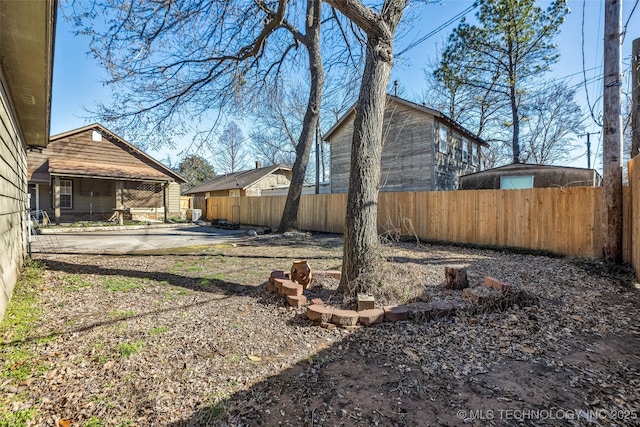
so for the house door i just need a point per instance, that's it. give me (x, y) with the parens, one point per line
(34, 202)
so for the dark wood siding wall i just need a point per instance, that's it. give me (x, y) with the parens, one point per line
(13, 199)
(451, 163)
(411, 160)
(82, 147)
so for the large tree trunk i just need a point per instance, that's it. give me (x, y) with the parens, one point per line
(360, 233)
(289, 220)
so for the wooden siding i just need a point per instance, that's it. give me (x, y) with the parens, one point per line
(276, 179)
(174, 199)
(13, 199)
(80, 147)
(409, 162)
(451, 164)
(561, 220)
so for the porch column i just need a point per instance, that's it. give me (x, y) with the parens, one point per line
(38, 202)
(165, 200)
(119, 202)
(56, 199)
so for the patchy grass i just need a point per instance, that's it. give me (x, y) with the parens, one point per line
(18, 359)
(21, 417)
(158, 330)
(121, 284)
(74, 282)
(122, 313)
(128, 349)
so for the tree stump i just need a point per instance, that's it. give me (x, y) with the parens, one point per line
(455, 277)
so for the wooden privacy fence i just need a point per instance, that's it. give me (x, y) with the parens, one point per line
(561, 220)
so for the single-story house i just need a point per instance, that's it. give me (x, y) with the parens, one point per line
(27, 34)
(243, 183)
(520, 175)
(89, 173)
(423, 149)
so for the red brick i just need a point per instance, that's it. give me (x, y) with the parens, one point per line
(279, 283)
(276, 274)
(345, 317)
(442, 309)
(492, 282)
(336, 274)
(319, 313)
(317, 301)
(296, 301)
(291, 288)
(481, 295)
(371, 317)
(394, 313)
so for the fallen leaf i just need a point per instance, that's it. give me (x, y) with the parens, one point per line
(64, 423)
(527, 349)
(254, 358)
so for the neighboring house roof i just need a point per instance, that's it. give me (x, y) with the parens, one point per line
(27, 34)
(421, 108)
(242, 180)
(77, 157)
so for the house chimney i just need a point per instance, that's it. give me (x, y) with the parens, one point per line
(258, 164)
(395, 88)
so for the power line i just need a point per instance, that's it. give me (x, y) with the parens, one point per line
(584, 71)
(624, 29)
(437, 30)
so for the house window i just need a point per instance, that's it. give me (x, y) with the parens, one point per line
(465, 150)
(66, 192)
(474, 153)
(442, 138)
(516, 182)
(96, 136)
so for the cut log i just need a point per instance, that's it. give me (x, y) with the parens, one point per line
(455, 277)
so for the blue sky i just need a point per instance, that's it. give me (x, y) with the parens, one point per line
(77, 87)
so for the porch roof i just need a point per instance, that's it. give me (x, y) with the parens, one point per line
(86, 169)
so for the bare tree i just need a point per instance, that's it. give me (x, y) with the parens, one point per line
(551, 120)
(360, 234)
(278, 119)
(176, 62)
(231, 153)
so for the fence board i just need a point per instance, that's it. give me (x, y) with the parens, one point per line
(561, 220)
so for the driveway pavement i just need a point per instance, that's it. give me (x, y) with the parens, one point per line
(127, 241)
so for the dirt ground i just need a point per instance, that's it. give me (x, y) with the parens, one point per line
(190, 337)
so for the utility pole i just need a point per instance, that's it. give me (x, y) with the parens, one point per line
(588, 134)
(318, 157)
(612, 137)
(635, 98)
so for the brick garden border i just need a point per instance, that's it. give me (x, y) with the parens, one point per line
(493, 293)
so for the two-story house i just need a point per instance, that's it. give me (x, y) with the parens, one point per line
(423, 149)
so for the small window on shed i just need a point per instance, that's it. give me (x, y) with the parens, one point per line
(516, 182)
(96, 136)
(442, 138)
